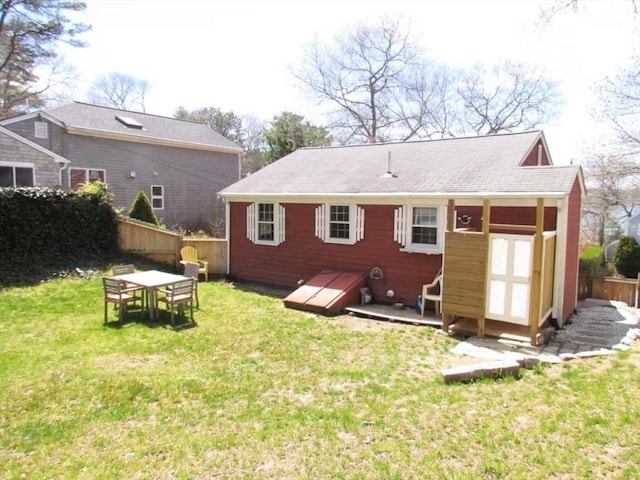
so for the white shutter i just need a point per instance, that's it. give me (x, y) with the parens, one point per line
(400, 231)
(251, 222)
(281, 224)
(321, 216)
(359, 231)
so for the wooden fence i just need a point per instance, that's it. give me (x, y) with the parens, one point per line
(164, 246)
(609, 288)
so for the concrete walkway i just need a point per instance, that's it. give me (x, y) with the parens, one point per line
(599, 327)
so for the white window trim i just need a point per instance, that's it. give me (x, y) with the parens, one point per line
(403, 220)
(86, 173)
(279, 224)
(356, 223)
(15, 165)
(154, 197)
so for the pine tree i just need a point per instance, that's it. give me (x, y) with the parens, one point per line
(141, 209)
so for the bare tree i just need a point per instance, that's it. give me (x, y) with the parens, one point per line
(431, 106)
(548, 12)
(620, 107)
(254, 144)
(507, 98)
(385, 90)
(615, 182)
(119, 90)
(361, 73)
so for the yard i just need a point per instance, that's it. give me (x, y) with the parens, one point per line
(259, 391)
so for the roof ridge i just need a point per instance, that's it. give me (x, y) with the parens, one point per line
(425, 140)
(77, 102)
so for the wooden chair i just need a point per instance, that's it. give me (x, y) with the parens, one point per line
(123, 270)
(178, 296)
(192, 269)
(116, 293)
(435, 297)
(190, 254)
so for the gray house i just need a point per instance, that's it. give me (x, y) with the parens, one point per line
(180, 165)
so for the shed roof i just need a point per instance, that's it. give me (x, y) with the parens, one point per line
(458, 165)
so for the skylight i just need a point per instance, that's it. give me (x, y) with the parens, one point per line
(129, 122)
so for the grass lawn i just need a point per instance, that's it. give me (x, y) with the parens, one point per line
(258, 391)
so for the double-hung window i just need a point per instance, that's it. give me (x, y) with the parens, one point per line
(420, 228)
(157, 197)
(424, 226)
(340, 223)
(266, 223)
(16, 174)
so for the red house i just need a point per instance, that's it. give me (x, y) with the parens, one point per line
(492, 212)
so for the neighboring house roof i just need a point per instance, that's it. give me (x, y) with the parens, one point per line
(488, 166)
(54, 156)
(93, 120)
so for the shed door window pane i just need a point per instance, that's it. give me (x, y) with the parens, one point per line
(266, 227)
(424, 228)
(339, 222)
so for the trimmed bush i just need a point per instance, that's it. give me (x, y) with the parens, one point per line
(627, 257)
(141, 209)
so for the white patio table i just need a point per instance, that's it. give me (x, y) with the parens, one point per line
(151, 280)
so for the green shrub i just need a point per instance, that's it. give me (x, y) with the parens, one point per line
(96, 188)
(141, 209)
(626, 257)
(592, 259)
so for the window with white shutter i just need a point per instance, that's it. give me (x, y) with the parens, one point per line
(420, 228)
(339, 223)
(266, 223)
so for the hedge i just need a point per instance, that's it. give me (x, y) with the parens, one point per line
(53, 224)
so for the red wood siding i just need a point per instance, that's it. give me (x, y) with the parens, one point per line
(572, 253)
(303, 255)
(507, 215)
(532, 159)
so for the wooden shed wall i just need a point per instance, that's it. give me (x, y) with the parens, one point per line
(507, 216)
(464, 274)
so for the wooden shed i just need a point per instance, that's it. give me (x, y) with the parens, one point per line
(493, 213)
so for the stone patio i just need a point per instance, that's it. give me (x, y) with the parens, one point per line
(599, 327)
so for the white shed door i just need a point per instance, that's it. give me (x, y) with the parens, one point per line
(508, 282)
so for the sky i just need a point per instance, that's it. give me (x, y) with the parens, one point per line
(238, 55)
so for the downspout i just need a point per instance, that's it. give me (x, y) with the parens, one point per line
(64, 165)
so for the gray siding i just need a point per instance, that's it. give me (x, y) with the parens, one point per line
(26, 129)
(191, 178)
(47, 171)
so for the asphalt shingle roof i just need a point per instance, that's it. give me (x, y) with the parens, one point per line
(83, 115)
(460, 165)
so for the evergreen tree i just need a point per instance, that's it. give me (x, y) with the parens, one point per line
(141, 209)
(627, 257)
